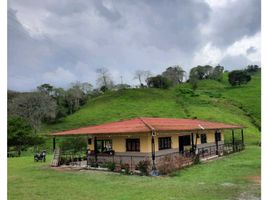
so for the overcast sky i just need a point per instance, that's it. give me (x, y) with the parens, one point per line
(64, 41)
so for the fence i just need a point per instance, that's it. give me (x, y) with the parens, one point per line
(223, 149)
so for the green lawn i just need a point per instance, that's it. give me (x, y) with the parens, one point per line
(231, 177)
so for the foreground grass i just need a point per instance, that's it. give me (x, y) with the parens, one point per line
(228, 178)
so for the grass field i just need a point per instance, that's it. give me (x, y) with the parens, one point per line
(236, 176)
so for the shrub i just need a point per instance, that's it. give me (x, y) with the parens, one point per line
(238, 77)
(169, 163)
(143, 167)
(196, 159)
(158, 82)
(111, 166)
(126, 168)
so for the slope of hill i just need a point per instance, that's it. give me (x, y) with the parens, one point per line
(212, 100)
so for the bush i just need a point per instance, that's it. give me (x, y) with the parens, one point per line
(158, 82)
(126, 168)
(143, 167)
(238, 77)
(169, 163)
(111, 166)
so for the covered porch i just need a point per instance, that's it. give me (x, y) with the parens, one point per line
(152, 144)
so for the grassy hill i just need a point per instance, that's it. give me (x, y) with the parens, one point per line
(215, 101)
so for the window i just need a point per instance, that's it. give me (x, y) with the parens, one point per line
(217, 136)
(164, 143)
(203, 138)
(133, 144)
(186, 140)
(104, 145)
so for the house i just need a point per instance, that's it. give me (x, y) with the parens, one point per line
(130, 141)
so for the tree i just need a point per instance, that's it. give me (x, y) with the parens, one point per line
(46, 88)
(238, 77)
(85, 87)
(75, 97)
(104, 78)
(35, 107)
(158, 82)
(21, 135)
(175, 74)
(217, 73)
(59, 95)
(202, 72)
(193, 78)
(252, 68)
(142, 75)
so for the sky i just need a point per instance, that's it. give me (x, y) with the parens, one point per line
(65, 41)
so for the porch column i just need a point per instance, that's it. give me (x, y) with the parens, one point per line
(192, 141)
(95, 150)
(196, 136)
(233, 140)
(242, 138)
(54, 143)
(153, 150)
(217, 144)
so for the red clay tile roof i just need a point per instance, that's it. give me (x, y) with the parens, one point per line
(145, 124)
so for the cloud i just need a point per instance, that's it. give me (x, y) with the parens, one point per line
(251, 50)
(59, 76)
(233, 20)
(235, 62)
(49, 38)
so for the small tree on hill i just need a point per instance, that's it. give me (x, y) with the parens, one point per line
(238, 77)
(217, 73)
(252, 68)
(175, 74)
(104, 78)
(142, 75)
(193, 78)
(158, 82)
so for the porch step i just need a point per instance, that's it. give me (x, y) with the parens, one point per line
(56, 158)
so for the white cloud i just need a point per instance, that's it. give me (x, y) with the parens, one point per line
(59, 76)
(209, 54)
(240, 47)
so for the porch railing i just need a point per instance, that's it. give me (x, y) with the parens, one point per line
(222, 149)
(80, 158)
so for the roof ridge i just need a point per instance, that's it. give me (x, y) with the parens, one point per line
(147, 124)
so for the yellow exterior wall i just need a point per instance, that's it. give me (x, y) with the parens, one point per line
(119, 142)
(210, 136)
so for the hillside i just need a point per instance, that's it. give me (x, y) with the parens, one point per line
(212, 100)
